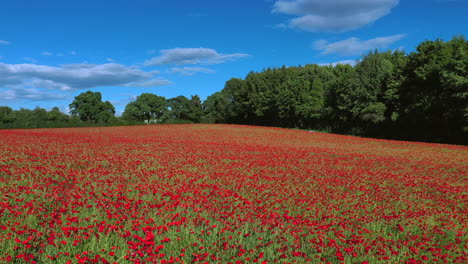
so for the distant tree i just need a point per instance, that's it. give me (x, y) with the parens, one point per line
(106, 112)
(179, 108)
(147, 107)
(6, 115)
(56, 115)
(215, 108)
(237, 95)
(88, 106)
(310, 104)
(23, 118)
(434, 96)
(182, 108)
(195, 109)
(346, 98)
(39, 115)
(132, 112)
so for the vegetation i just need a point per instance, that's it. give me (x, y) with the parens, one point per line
(146, 107)
(421, 96)
(418, 96)
(89, 107)
(228, 194)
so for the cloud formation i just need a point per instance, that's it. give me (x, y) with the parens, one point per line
(187, 71)
(184, 56)
(31, 94)
(28, 81)
(355, 46)
(332, 15)
(4, 42)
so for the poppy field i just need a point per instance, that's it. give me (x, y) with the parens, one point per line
(228, 194)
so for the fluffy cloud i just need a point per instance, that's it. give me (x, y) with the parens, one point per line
(184, 56)
(355, 46)
(187, 71)
(333, 15)
(4, 42)
(29, 80)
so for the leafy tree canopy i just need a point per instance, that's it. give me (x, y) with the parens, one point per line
(89, 107)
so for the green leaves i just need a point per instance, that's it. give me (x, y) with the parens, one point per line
(434, 94)
(374, 113)
(89, 107)
(147, 107)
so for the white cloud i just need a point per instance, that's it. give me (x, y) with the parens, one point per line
(333, 15)
(30, 94)
(343, 62)
(7, 95)
(46, 53)
(4, 42)
(355, 46)
(187, 71)
(30, 81)
(73, 52)
(184, 56)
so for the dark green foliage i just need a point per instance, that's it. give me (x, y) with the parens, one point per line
(147, 107)
(215, 108)
(37, 118)
(88, 106)
(6, 115)
(181, 108)
(56, 115)
(196, 109)
(420, 96)
(434, 96)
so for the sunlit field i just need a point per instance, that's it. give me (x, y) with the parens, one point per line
(228, 194)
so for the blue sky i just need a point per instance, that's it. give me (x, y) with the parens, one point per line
(53, 50)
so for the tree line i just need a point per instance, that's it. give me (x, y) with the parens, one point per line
(419, 96)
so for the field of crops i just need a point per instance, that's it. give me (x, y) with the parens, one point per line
(228, 194)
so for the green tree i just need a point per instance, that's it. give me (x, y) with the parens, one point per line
(345, 99)
(89, 107)
(39, 115)
(215, 108)
(146, 107)
(237, 94)
(6, 115)
(106, 112)
(195, 109)
(434, 96)
(23, 118)
(179, 108)
(56, 115)
(132, 112)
